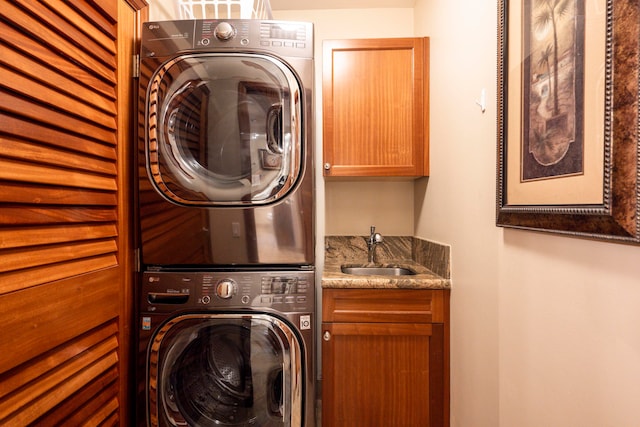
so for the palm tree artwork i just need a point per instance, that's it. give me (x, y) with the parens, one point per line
(554, 41)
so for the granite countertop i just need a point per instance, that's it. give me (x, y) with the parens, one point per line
(431, 263)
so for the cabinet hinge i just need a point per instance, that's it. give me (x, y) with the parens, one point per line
(136, 66)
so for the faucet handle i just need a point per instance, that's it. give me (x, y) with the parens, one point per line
(374, 237)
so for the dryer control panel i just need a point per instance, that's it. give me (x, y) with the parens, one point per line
(284, 291)
(285, 38)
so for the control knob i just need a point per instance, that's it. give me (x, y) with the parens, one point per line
(224, 31)
(225, 288)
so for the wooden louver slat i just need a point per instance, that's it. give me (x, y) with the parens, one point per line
(77, 32)
(36, 107)
(85, 144)
(33, 173)
(15, 260)
(53, 98)
(24, 279)
(41, 195)
(17, 379)
(57, 382)
(56, 41)
(44, 115)
(55, 234)
(62, 221)
(27, 68)
(95, 25)
(42, 154)
(21, 42)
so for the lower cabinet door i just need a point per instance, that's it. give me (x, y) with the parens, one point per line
(376, 374)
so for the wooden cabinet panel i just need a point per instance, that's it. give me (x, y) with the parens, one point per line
(375, 107)
(382, 305)
(385, 357)
(380, 373)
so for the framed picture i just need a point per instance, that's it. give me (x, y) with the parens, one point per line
(568, 121)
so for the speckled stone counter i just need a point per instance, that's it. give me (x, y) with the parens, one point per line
(429, 260)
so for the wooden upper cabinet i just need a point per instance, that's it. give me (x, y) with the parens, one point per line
(375, 107)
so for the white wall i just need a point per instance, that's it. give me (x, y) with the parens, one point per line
(545, 329)
(569, 332)
(162, 10)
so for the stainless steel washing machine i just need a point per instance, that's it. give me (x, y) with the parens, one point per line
(227, 348)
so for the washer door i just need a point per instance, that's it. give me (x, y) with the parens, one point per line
(224, 130)
(223, 369)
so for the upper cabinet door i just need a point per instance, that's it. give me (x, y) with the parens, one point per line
(375, 107)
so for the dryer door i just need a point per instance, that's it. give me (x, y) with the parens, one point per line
(224, 130)
(224, 369)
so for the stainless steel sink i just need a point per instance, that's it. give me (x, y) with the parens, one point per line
(377, 271)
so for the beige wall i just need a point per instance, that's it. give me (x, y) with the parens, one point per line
(456, 204)
(545, 329)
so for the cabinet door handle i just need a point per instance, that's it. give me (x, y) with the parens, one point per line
(326, 336)
(327, 166)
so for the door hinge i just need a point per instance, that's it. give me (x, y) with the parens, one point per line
(136, 260)
(136, 66)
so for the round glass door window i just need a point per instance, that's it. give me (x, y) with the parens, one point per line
(216, 371)
(224, 130)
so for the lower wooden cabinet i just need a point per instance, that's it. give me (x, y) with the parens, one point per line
(385, 357)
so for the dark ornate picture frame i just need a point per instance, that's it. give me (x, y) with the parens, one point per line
(617, 218)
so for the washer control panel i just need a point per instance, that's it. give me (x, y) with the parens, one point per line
(285, 291)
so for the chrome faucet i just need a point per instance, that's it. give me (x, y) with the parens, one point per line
(372, 243)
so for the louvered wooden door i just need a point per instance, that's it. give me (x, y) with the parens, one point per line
(65, 124)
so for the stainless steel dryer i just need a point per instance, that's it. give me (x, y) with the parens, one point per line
(226, 349)
(225, 156)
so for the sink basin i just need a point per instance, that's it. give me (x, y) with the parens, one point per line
(377, 271)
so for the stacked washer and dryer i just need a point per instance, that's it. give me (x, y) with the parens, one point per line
(225, 222)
